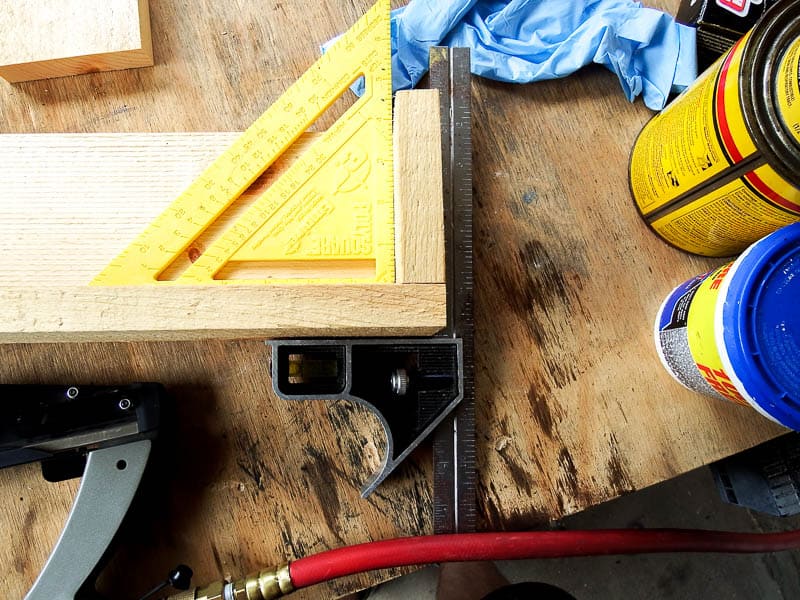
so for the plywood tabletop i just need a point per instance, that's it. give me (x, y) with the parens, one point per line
(573, 406)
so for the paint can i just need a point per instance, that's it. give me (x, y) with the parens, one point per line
(734, 332)
(719, 168)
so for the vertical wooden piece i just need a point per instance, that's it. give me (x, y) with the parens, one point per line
(419, 216)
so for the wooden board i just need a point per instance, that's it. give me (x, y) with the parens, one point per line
(141, 313)
(419, 218)
(72, 202)
(573, 406)
(55, 38)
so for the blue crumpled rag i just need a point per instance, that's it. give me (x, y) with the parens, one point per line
(521, 41)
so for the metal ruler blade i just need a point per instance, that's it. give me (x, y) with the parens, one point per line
(455, 474)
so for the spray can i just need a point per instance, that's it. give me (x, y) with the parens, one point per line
(734, 332)
(719, 168)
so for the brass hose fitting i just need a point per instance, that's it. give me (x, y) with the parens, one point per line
(266, 585)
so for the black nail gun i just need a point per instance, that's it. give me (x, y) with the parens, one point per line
(103, 433)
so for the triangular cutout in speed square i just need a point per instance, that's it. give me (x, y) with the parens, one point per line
(329, 217)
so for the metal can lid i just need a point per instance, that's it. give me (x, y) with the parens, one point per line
(772, 37)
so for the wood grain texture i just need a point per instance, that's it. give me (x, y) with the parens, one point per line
(418, 208)
(179, 312)
(573, 406)
(55, 38)
(73, 202)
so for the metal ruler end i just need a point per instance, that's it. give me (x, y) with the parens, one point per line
(455, 468)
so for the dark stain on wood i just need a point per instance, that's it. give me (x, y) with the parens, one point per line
(318, 474)
(561, 373)
(251, 463)
(217, 559)
(520, 476)
(498, 518)
(533, 284)
(30, 518)
(227, 49)
(617, 474)
(349, 418)
(540, 410)
(21, 560)
(568, 474)
(293, 548)
(545, 275)
(524, 521)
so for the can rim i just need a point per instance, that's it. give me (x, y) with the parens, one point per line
(768, 42)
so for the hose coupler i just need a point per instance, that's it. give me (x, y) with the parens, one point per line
(265, 585)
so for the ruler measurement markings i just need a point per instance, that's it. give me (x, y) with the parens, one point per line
(461, 150)
(276, 197)
(454, 444)
(444, 436)
(284, 187)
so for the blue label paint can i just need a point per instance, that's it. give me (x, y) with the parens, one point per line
(734, 333)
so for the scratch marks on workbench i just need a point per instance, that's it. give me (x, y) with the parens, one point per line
(217, 558)
(362, 444)
(561, 373)
(227, 48)
(617, 474)
(409, 486)
(319, 475)
(121, 110)
(250, 461)
(540, 410)
(567, 474)
(292, 543)
(511, 518)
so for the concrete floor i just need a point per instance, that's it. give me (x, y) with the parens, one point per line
(687, 501)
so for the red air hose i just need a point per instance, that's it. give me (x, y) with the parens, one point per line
(535, 544)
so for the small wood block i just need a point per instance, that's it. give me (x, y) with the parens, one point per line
(418, 200)
(55, 38)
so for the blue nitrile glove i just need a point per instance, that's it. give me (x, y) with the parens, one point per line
(530, 40)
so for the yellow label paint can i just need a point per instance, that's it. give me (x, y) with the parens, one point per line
(719, 168)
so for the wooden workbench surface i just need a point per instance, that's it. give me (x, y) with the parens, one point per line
(573, 406)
